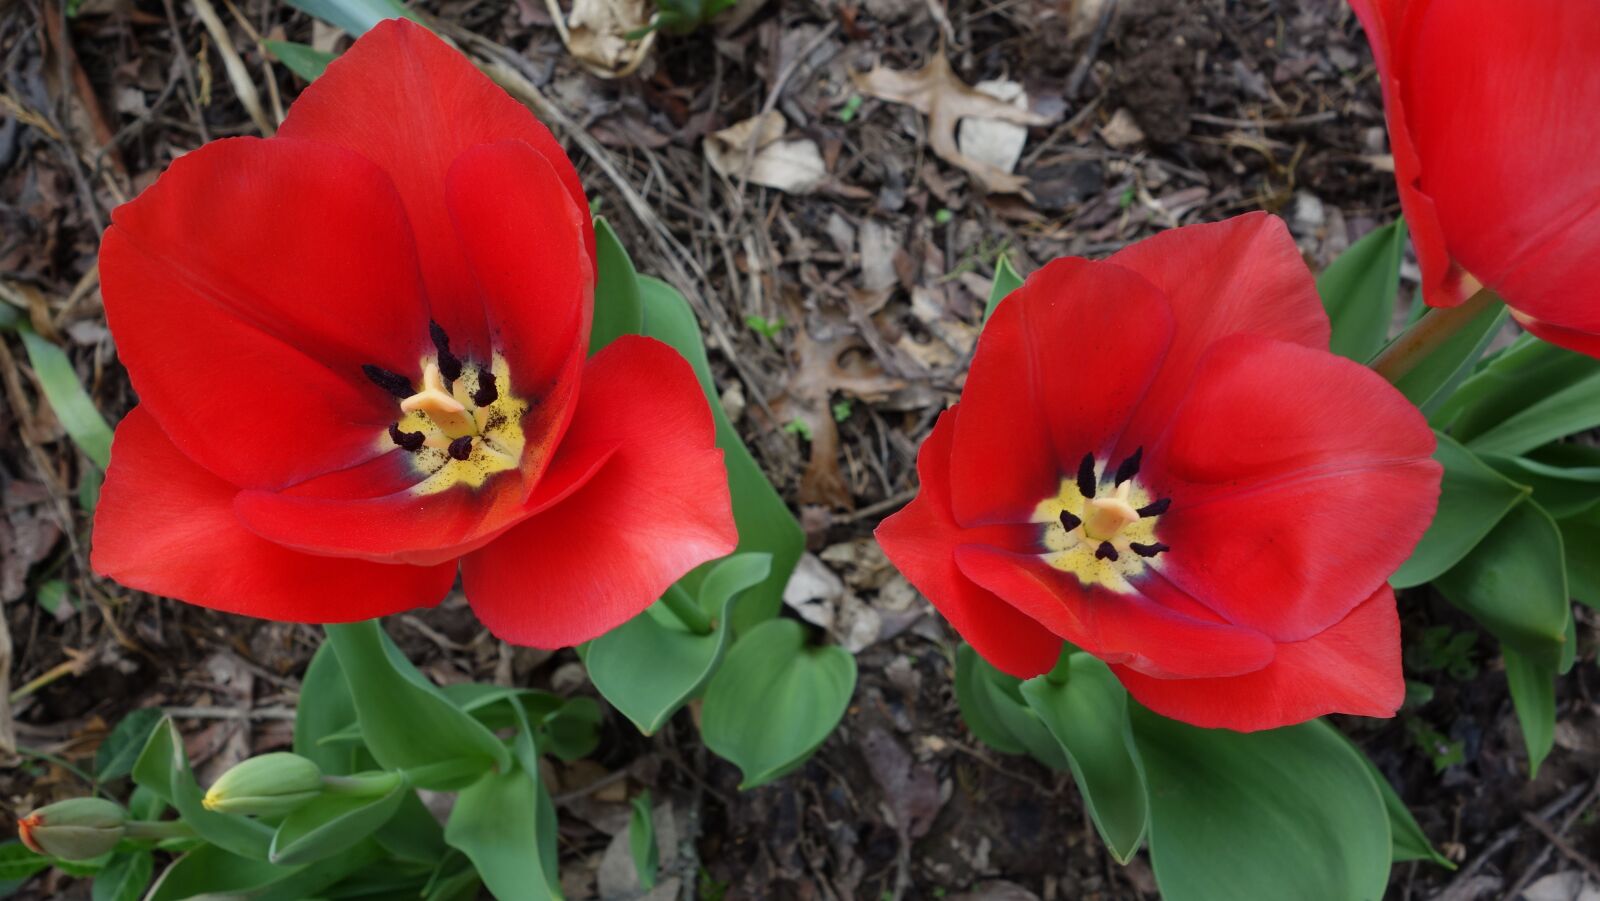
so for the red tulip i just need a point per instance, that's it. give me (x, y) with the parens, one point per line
(1494, 114)
(361, 353)
(1156, 459)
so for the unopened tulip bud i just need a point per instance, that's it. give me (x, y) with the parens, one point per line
(265, 786)
(76, 829)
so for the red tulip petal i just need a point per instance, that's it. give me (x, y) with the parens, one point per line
(658, 508)
(1130, 629)
(1058, 371)
(1299, 480)
(1353, 667)
(1501, 102)
(1572, 339)
(921, 540)
(247, 288)
(524, 242)
(166, 526)
(410, 103)
(1240, 276)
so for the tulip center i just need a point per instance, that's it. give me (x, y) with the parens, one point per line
(1100, 525)
(461, 424)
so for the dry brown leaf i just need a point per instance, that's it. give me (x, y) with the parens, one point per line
(945, 99)
(999, 144)
(596, 34)
(794, 166)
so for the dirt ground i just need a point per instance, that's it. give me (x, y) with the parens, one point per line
(865, 290)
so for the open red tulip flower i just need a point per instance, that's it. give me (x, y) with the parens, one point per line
(360, 349)
(1494, 115)
(1156, 459)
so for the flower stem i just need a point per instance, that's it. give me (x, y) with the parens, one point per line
(364, 785)
(157, 830)
(687, 610)
(1424, 336)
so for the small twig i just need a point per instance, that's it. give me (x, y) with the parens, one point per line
(230, 713)
(1507, 836)
(1544, 853)
(1562, 845)
(591, 788)
(231, 61)
(889, 503)
(773, 95)
(1290, 122)
(1081, 70)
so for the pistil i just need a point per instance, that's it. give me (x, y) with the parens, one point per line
(449, 414)
(1104, 517)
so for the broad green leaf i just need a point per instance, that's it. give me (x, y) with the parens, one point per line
(642, 841)
(1433, 380)
(495, 822)
(18, 861)
(1006, 280)
(1582, 532)
(1287, 813)
(354, 17)
(116, 755)
(210, 871)
(992, 705)
(1087, 712)
(1472, 499)
(651, 666)
(1408, 839)
(1504, 386)
(1573, 409)
(125, 878)
(1358, 291)
(412, 834)
(386, 879)
(774, 700)
(317, 880)
(72, 406)
(406, 722)
(325, 708)
(617, 309)
(1533, 695)
(304, 61)
(333, 823)
(764, 521)
(571, 730)
(1514, 583)
(1562, 490)
(163, 768)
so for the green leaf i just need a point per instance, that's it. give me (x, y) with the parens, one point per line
(1288, 813)
(1583, 569)
(406, 722)
(642, 841)
(495, 822)
(1433, 380)
(303, 60)
(651, 666)
(765, 523)
(1533, 695)
(1573, 409)
(333, 823)
(211, 871)
(617, 309)
(1358, 291)
(18, 862)
(125, 878)
(1005, 281)
(1407, 838)
(992, 705)
(412, 834)
(1563, 490)
(1473, 497)
(571, 730)
(354, 17)
(163, 768)
(1504, 384)
(1087, 712)
(774, 700)
(72, 406)
(325, 708)
(116, 755)
(318, 878)
(1514, 583)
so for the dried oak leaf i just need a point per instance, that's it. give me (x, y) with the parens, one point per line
(945, 99)
(599, 33)
(757, 151)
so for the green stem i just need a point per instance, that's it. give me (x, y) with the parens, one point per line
(362, 785)
(156, 830)
(687, 610)
(1424, 336)
(1060, 673)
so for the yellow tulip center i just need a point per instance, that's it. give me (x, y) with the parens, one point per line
(1101, 526)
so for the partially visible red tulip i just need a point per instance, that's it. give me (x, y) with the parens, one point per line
(360, 349)
(1494, 120)
(1157, 459)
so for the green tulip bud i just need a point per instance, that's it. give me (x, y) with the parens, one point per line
(75, 829)
(266, 786)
